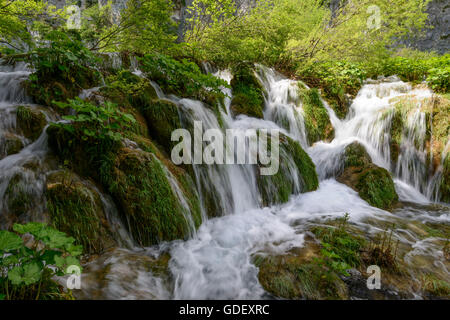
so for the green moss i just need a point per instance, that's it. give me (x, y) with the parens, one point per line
(76, 209)
(12, 144)
(356, 156)
(304, 164)
(248, 95)
(30, 122)
(135, 179)
(445, 182)
(291, 277)
(277, 188)
(317, 121)
(375, 185)
(162, 119)
(396, 133)
(434, 287)
(140, 186)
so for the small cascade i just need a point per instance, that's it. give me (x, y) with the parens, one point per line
(411, 165)
(283, 105)
(11, 84)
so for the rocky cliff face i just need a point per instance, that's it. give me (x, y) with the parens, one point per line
(437, 36)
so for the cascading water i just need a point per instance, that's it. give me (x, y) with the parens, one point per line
(217, 261)
(23, 174)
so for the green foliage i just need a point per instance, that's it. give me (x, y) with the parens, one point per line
(99, 122)
(335, 78)
(27, 268)
(382, 251)
(410, 66)
(439, 78)
(142, 26)
(18, 18)
(341, 250)
(63, 67)
(248, 97)
(183, 77)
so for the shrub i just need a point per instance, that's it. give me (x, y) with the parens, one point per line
(27, 268)
(63, 68)
(99, 122)
(181, 77)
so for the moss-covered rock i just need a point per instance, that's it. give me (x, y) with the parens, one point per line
(140, 186)
(445, 182)
(317, 121)
(356, 156)
(162, 119)
(76, 209)
(277, 188)
(31, 122)
(61, 86)
(297, 275)
(135, 178)
(248, 94)
(10, 144)
(19, 199)
(373, 184)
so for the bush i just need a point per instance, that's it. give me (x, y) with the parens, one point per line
(27, 268)
(63, 68)
(183, 78)
(335, 78)
(99, 122)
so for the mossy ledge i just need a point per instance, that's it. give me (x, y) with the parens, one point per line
(31, 122)
(76, 209)
(317, 121)
(277, 188)
(136, 180)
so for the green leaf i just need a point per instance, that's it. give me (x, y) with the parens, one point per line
(34, 228)
(9, 241)
(32, 273)
(15, 275)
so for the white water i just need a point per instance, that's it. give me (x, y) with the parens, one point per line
(216, 263)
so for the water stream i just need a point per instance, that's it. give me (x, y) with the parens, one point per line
(216, 262)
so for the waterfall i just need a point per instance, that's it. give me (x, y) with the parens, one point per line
(217, 261)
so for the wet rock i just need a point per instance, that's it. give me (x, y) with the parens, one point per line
(277, 188)
(162, 119)
(296, 275)
(317, 120)
(10, 144)
(124, 274)
(75, 208)
(31, 122)
(373, 184)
